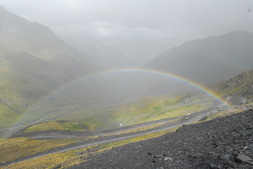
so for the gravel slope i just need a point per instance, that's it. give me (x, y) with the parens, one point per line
(221, 143)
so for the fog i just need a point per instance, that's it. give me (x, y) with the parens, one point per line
(75, 74)
(102, 57)
(127, 33)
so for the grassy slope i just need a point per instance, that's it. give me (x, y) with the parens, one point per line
(15, 148)
(7, 115)
(69, 158)
(73, 157)
(19, 90)
(144, 110)
(33, 62)
(32, 67)
(56, 125)
(147, 108)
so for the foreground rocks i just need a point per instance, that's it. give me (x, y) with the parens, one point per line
(221, 143)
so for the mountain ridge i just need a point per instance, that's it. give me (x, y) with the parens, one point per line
(203, 60)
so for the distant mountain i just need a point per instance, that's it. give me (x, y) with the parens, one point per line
(210, 60)
(33, 63)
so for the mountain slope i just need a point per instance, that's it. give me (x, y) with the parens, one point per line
(220, 143)
(238, 90)
(33, 62)
(210, 60)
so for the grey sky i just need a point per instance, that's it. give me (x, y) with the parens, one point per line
(162, 23)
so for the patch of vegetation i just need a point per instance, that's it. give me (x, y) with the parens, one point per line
(92, 123)
(7, 115)
(14, 148)
(176, 100)
(226, 91)
(56, 125)
(176, 112)
(144, 110)
(159, 109)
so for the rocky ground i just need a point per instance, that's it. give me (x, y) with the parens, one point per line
(220, 143)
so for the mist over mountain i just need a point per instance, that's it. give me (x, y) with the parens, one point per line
(118, 51)
(99, 53)
(209, 60)
(87, 84)
(33, 63)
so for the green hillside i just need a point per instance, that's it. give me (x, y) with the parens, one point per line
(33, 63)
(237, 91)
(143, 110)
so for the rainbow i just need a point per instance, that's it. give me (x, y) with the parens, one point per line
(131, 70)
(149, 71)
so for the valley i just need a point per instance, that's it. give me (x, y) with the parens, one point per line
(191, 106)
(145, 131)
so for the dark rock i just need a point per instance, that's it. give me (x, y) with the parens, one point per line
(79, 153)
(58, 166)
(242, 158)
(153, 161)
(215, 166)
(160, 168)
(227, 159)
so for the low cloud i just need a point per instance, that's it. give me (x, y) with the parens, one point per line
(150, 25)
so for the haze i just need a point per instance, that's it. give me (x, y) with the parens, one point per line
(85, 78)
(126, 33)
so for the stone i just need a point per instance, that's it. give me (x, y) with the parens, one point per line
(168, 158)
(79, 153)
(214, 166)
(158, 156)
(227, 159)
(242, 158)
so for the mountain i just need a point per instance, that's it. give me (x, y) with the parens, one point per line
(33, 63)
(237, 90)
(209, 60)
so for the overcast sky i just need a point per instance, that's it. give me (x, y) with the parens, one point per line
(162, 23)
